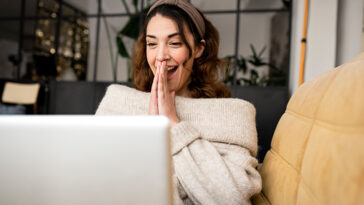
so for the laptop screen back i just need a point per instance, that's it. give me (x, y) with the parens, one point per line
(84, 160)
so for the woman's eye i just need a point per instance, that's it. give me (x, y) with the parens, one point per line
(176, 43)
(151, 44)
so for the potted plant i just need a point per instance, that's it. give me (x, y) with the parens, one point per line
(245, 70)
(131, 30)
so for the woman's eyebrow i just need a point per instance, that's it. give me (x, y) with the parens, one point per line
(173, 34)
(169, 36)
(151, 36)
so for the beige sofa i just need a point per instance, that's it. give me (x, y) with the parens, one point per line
(317, 151)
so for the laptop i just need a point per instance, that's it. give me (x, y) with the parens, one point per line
(58, 160)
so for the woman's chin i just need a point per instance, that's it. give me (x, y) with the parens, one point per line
(171, 86)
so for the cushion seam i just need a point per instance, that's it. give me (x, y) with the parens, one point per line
(328, 124)
(276, 155)
(311, 127)
(308, 190)
(283, 159)
(265, 198)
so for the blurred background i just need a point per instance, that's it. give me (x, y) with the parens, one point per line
(68, 33)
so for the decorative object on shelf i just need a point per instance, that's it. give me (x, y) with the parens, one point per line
(64, 43)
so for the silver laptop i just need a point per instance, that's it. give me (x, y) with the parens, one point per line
(84, 160)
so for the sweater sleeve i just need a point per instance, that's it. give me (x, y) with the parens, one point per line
(182, 135)
(212, 172)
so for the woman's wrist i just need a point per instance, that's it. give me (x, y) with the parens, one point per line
(174, 122)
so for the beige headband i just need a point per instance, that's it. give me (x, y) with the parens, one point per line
(189, 9)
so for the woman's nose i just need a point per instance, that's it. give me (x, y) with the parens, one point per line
(163, 53)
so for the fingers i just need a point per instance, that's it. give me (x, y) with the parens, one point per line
(162, 85)
(173, 94)
(162, 81)
(155, 83)
(153, 101)
(161, 99)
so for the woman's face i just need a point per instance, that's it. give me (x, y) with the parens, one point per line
(164, 43)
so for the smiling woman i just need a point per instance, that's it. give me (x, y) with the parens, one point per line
(213, 141)
(164, 44)
(194, 42)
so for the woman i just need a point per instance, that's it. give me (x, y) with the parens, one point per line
(176, 71)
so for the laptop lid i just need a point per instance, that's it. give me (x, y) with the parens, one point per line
(84, 160)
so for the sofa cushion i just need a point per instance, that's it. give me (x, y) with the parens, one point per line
(317, 151)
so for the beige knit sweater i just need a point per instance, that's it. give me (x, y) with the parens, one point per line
(213, 147)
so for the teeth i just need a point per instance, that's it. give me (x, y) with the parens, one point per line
(169, 67)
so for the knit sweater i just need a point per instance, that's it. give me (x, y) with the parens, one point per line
(213, 146)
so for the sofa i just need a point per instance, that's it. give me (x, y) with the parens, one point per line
(317, 150)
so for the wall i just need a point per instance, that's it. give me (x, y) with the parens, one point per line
(349, 32)
(321, 39)
(362, 34)
(334, 31)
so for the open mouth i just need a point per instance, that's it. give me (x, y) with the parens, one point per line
(171, 72)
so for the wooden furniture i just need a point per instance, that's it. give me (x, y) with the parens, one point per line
(21, 93)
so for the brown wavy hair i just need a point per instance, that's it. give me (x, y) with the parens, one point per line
(205, 82)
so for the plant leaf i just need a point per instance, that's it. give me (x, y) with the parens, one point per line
(254, 77)
(253, 50)
(262, 51)
(242, 64)
(263, 81)
(126, 6)
(135, 3)
(131, 29)
(229, 80)
(246, 81)
(254, 74)
(121, 47)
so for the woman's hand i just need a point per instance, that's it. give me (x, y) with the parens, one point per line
(161, 99)
(166, 105)
(153, 101)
